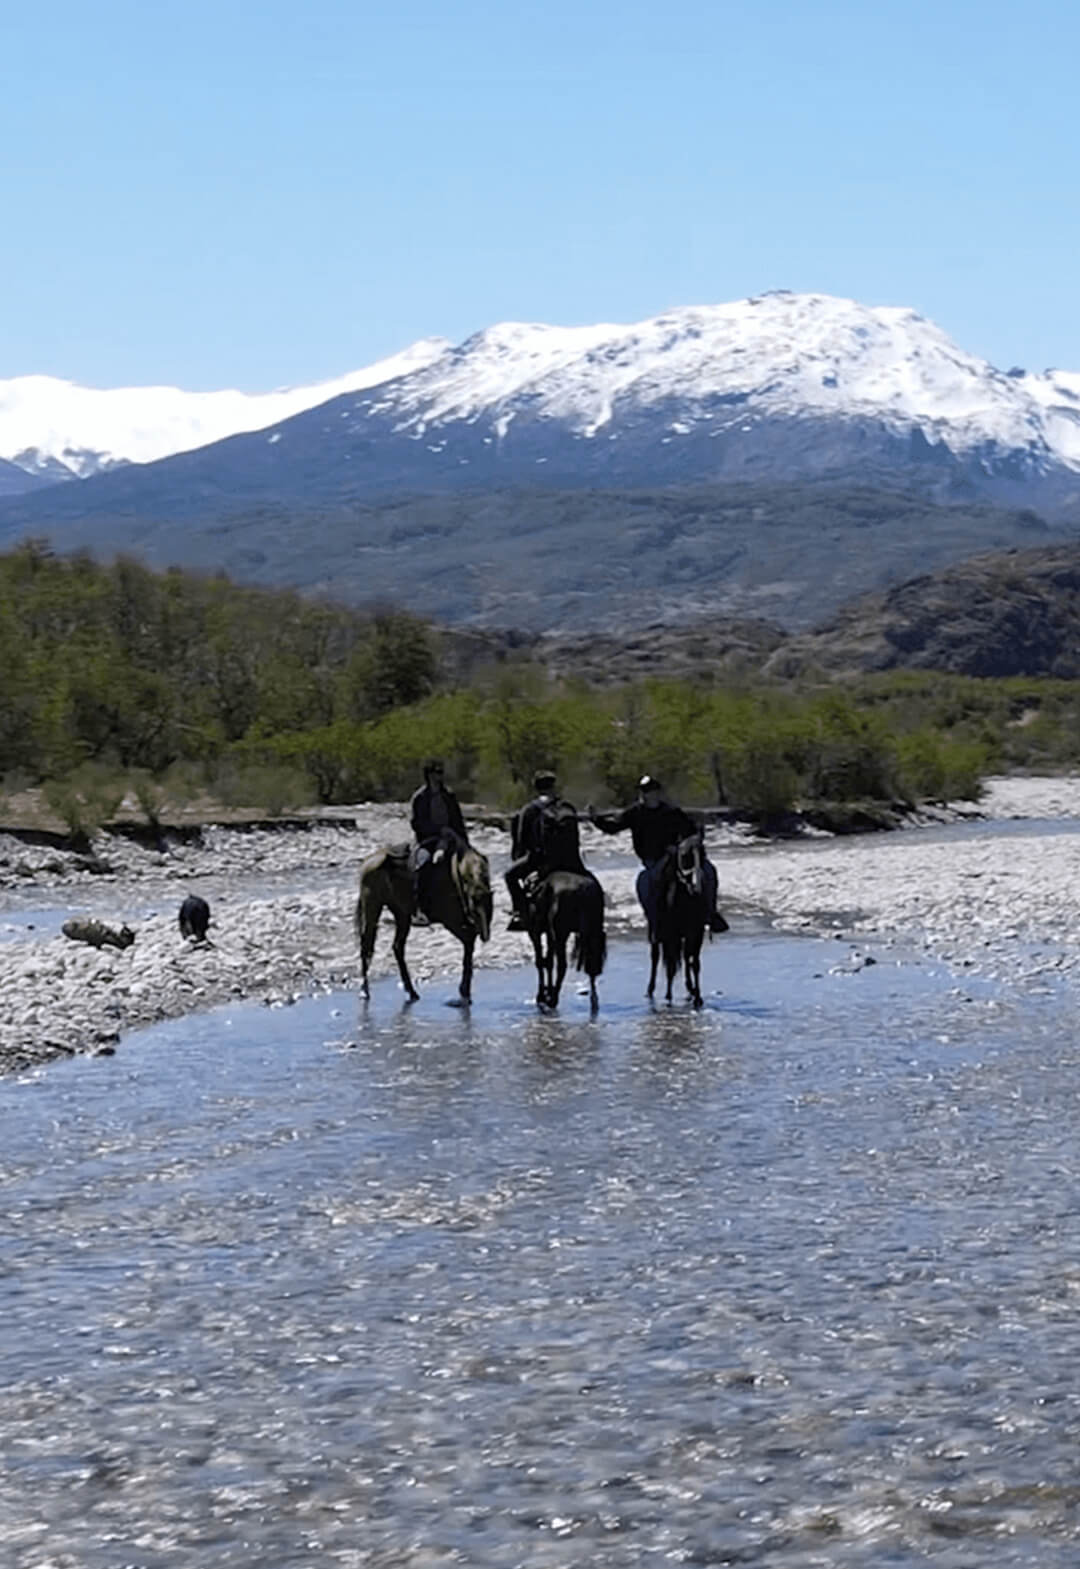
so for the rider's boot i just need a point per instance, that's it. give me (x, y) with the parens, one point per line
(420, 916)
(518, 921)
(717, 922)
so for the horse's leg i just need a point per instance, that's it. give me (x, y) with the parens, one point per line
(368, 911)
(672, 961)
(558, 952)
(551, 996)
(464, 996)
(693, 980)
(654, 964)
(538, 955)
(402, 923)
(693, 962)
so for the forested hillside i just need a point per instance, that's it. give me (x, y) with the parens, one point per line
(548, 559)
(162, 685)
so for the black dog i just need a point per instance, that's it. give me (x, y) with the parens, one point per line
(194, 917)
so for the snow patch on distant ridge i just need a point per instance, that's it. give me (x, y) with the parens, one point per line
(58, 429)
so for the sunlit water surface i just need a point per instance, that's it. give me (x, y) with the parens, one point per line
(792, 1280)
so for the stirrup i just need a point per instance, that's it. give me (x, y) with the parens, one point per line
(517, 923)
(421, 918)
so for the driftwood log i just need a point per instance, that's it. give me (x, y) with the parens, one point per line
(98, 934)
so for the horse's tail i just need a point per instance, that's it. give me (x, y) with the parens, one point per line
(471, 877)
(590, 951)
(590, 940)
(673, 944)
(371, 896)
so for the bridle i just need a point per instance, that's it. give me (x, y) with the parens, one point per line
(686, 856)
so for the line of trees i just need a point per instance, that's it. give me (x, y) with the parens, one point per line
(145, 669)
(116, 678)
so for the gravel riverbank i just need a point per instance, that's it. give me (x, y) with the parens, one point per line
(282, 904)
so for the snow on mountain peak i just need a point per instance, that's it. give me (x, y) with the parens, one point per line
(56, 427)
(779, 353)
(706, 368)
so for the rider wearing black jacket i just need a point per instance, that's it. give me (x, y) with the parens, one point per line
(535, 848)
(656, 825)
(438, 826)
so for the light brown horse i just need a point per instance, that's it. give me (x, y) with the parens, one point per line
(459, 898)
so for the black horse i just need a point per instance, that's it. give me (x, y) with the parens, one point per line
(565, 905)
(682, 918)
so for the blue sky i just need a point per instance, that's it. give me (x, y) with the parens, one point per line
(252, 195)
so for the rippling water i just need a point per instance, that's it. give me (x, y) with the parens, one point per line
(794, 1280)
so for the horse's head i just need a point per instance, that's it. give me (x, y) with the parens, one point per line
(473, 877)
(688, 863)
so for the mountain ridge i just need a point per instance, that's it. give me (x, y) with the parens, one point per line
(766, 458)
(779, 355)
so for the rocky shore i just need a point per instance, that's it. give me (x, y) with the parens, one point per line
(1002, 904)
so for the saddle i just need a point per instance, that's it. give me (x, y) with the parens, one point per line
(532, 883)
(404, 858)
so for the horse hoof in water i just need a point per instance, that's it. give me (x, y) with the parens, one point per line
(459, 1002)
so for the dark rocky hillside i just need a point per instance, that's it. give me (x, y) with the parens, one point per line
(565, 560)
(1012, 613)
(711, 647)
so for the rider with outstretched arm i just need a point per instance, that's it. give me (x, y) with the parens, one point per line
(656, 825)
(438, 826)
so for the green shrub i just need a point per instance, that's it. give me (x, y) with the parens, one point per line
(755, 775)
(271, 788)
(150, 795)
(933, 767)
(85, 800)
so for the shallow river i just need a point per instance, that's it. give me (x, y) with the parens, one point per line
(793, 1280)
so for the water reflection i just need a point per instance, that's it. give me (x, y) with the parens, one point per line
(787, 1280)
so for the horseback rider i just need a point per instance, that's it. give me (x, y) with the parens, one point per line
(543, 838)
(656, 826)
(438, 827)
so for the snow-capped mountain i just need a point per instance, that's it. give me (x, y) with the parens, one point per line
(712, 374)
(771, 454)
(58, 430)
(780, 354)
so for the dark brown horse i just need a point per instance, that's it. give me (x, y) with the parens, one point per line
(565, 905)
(459, 896)
(682, 918)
